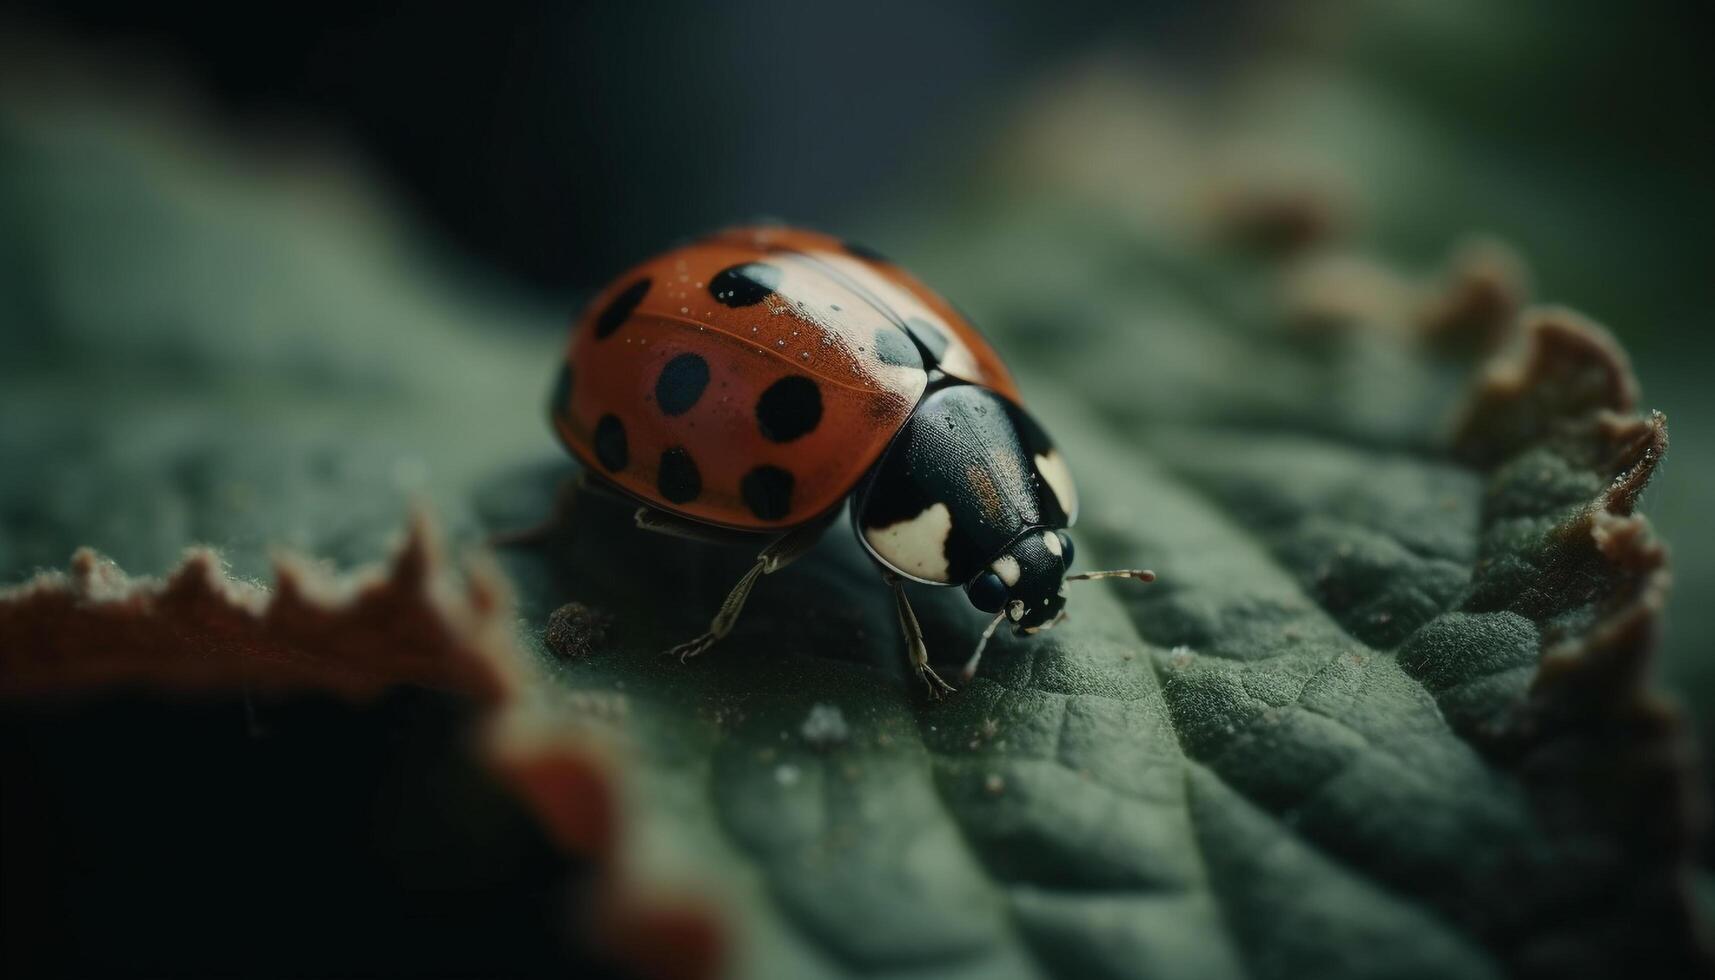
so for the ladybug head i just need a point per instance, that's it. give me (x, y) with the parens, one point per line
(1025, 585)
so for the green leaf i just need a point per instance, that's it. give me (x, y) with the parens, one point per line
(1381, 715)
(1279, 759)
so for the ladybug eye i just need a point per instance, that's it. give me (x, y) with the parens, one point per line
(1065, 548)
(987, 592)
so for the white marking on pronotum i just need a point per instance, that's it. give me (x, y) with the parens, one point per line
(1059, 479)
(1007, 568)
(957, 360)
(917, 547)
(1051, 541)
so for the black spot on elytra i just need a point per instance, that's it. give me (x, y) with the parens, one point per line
(865, 252)
(678, 479)
(929, 337)
(893, 346)
(610, 449)
(681, 383)
(789, 408)
(767, 492)
(560, 401)
(744, 285)
(620, 308)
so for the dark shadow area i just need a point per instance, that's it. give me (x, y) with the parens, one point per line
(290, 838)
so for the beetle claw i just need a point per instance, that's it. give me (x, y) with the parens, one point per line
(692, 647)
(937, 687)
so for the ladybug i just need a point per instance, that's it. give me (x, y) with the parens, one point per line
(756, 380)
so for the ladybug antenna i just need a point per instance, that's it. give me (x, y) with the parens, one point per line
(988, 631)
(1141, 574)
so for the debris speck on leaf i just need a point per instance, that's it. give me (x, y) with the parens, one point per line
(576, 630)
(825, 726)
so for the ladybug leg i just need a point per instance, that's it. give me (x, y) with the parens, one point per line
(782, 551)
(724, 619)
(916, 649)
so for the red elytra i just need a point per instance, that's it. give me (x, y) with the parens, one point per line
(750, 378)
